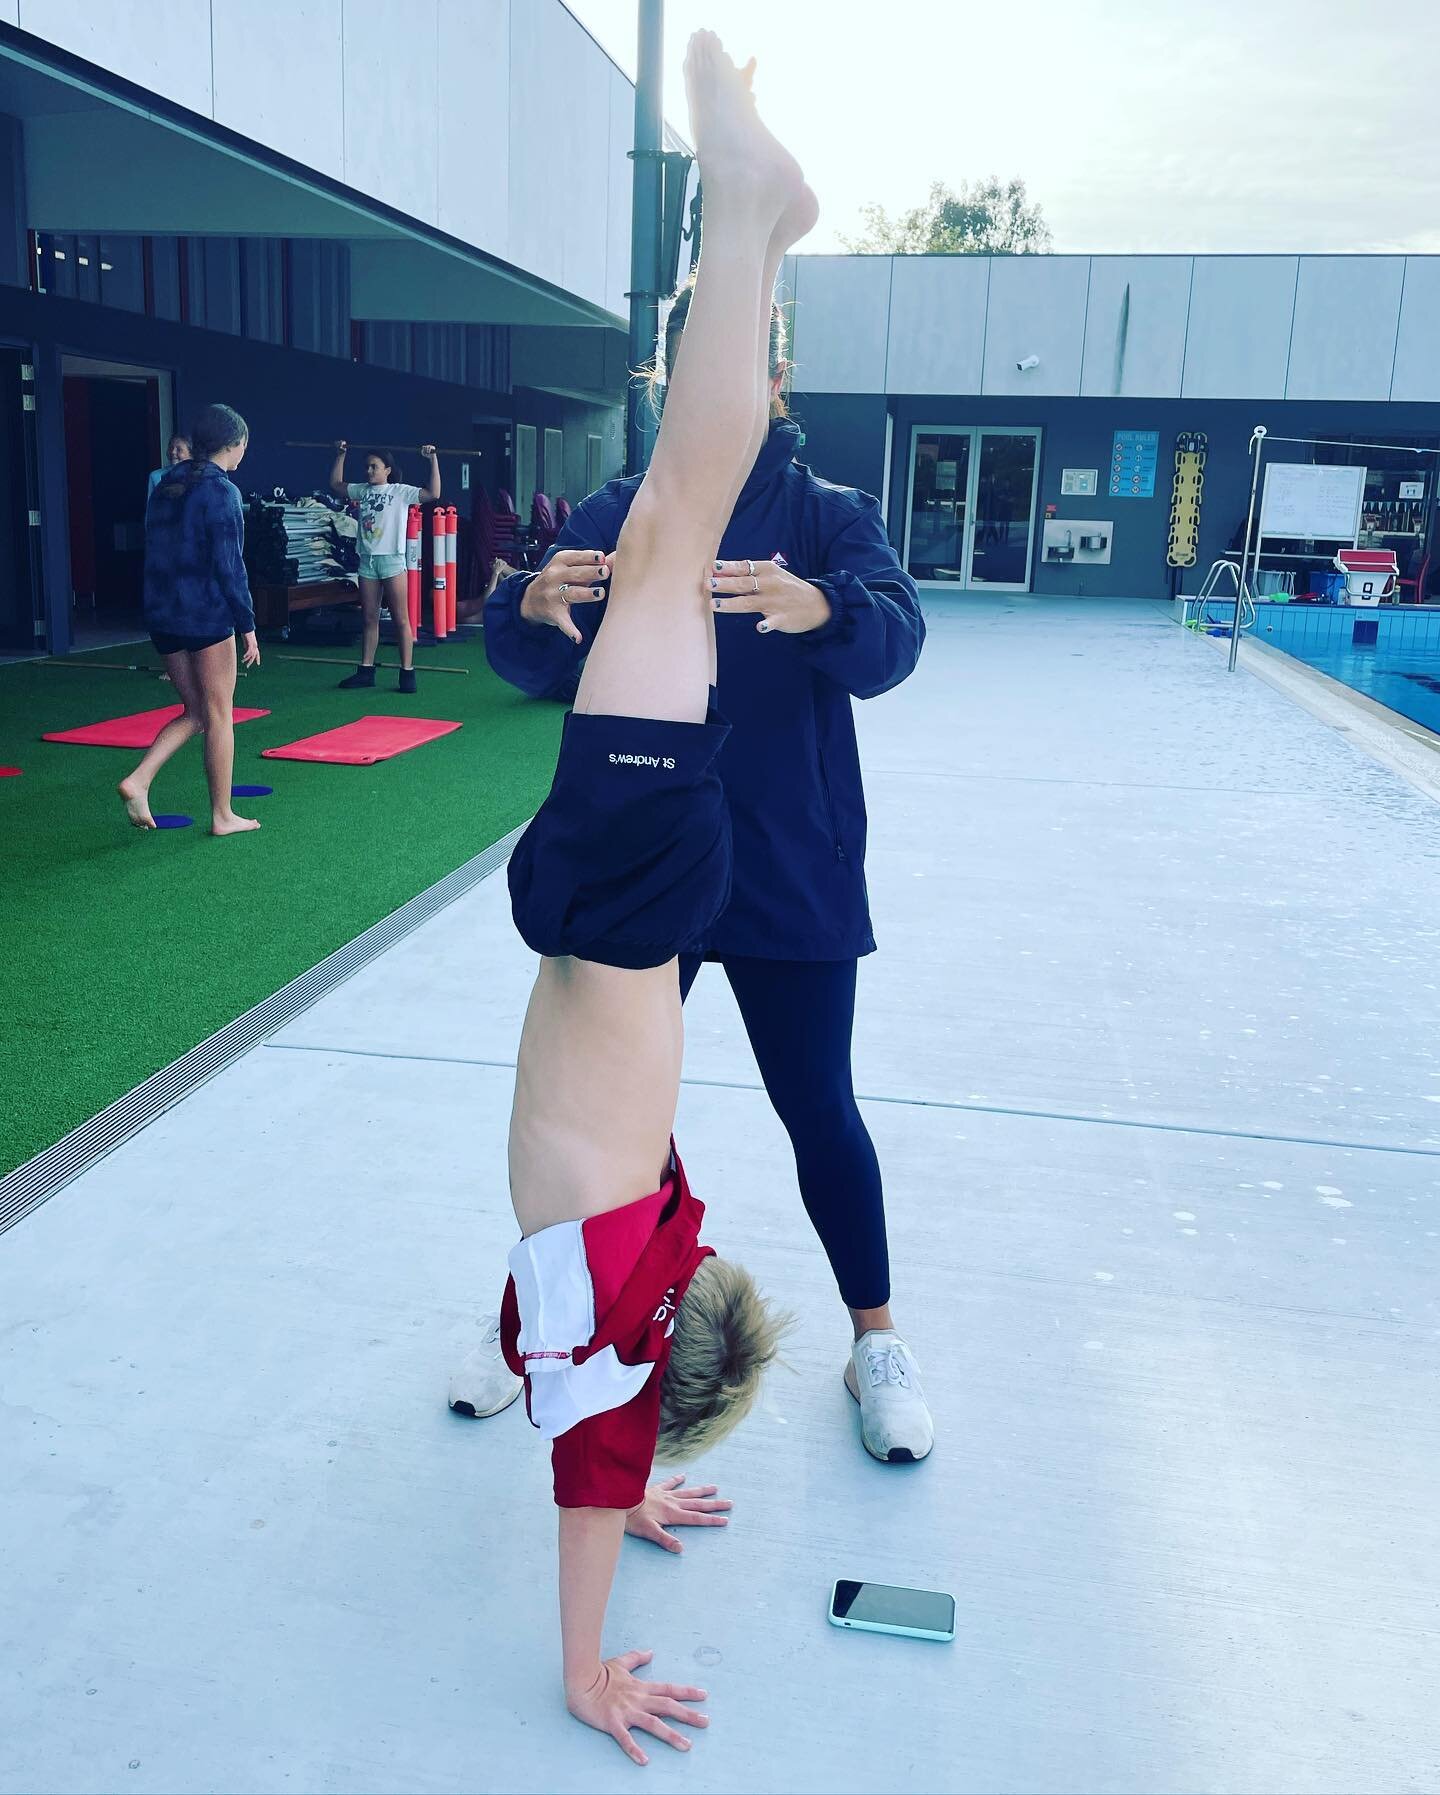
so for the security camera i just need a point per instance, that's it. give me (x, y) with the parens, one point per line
(1030, 361)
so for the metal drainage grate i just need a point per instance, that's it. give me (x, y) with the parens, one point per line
(31, 1184)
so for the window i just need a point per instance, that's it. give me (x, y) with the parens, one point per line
(555, 463)
(524, 470)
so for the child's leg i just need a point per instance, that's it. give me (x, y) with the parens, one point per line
(135, 788)
(370, 607)
(215, 670)
(652, 656)
(397, 598)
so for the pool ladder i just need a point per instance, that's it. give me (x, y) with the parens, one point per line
(1240, 594)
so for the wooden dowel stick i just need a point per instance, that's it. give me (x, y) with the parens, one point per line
(404, 448)
(318, 660)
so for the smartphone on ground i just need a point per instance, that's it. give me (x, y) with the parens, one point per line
(889, 1608)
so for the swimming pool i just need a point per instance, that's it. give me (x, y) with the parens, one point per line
(1389, 654)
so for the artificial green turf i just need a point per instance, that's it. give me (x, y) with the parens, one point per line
(122, 949)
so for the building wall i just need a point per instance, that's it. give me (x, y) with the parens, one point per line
(1343, 328)
(845, 437)
(443, 110)
(285, 394)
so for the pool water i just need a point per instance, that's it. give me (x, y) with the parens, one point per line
(1391, 655)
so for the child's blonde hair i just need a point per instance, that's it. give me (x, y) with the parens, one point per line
(726, 1334)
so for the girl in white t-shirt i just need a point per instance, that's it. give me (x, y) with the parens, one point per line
(384, 503)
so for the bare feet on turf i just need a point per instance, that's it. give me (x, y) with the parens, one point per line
(741, 162)
(232, 824)
(136, 799)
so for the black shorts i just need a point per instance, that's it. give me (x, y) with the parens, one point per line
(166, 644)
(627, 862)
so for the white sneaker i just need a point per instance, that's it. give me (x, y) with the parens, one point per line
(485, 1384)
(884, 1379)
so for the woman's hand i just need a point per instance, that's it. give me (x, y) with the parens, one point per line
(251, 656)
(670, 1504)
(572, 576)
(793, 607)
(617, 1700)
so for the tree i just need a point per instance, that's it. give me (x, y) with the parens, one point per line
(985, 218)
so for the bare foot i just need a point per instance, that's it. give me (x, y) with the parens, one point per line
(233, 825)
(137, 804)
(741, 161)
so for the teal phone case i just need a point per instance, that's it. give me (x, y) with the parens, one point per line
(867, 1626)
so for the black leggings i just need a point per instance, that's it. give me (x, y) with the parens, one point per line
(799, 1015)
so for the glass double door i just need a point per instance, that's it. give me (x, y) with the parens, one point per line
(971, 517)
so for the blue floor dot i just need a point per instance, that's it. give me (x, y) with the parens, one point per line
(251, 791)
(173, 822)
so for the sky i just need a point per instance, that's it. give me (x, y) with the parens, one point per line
(1138, 125)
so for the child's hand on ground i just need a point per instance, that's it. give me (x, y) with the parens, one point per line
(617, 1701)
(670, 1504)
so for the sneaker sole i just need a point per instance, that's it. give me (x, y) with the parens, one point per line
(468, 1409)
(897, 1455)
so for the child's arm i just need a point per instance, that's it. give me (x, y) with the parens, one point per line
(337, 471)
(604, 1692)
(428, 451)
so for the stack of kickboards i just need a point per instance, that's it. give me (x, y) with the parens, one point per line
(297, 544)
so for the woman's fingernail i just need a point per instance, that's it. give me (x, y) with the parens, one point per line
(596, 590)
(714, 584)
(714, 604)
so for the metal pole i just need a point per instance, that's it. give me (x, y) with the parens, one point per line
(646, 194)
(1257, 446)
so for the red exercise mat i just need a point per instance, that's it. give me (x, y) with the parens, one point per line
(363, 742)
(137, 731)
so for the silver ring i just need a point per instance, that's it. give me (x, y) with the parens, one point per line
(563, 589)
(754, 583)
(750, 569)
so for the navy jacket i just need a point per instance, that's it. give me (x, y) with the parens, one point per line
(790, 768)
(195, 581)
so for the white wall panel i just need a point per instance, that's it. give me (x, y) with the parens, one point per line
(579, 206)
(621, 105)
(132, 39)
(1135, 345)
(1237, 345)
(937, 324)
(1347, 311)
(841, 312)
(1037, 307)
(1417, 346)
(279, 77)
(10, 11)
(474, 123)
(537, 201)
(391, 101)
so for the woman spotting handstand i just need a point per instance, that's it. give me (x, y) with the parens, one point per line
(629, 1333)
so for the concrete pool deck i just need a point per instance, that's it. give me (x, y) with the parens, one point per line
(1150, 1055)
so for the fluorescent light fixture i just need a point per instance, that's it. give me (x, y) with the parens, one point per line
(59, 254)
(107, 267)
(84, 261)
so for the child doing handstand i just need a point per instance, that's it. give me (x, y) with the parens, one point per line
(632, 1337)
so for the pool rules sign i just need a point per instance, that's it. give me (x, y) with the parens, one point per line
(1133, 461)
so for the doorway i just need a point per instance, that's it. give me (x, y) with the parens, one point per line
(117, 420)
(22, 615)
(970, 516)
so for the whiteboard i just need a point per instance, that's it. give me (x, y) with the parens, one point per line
(1317, 503)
